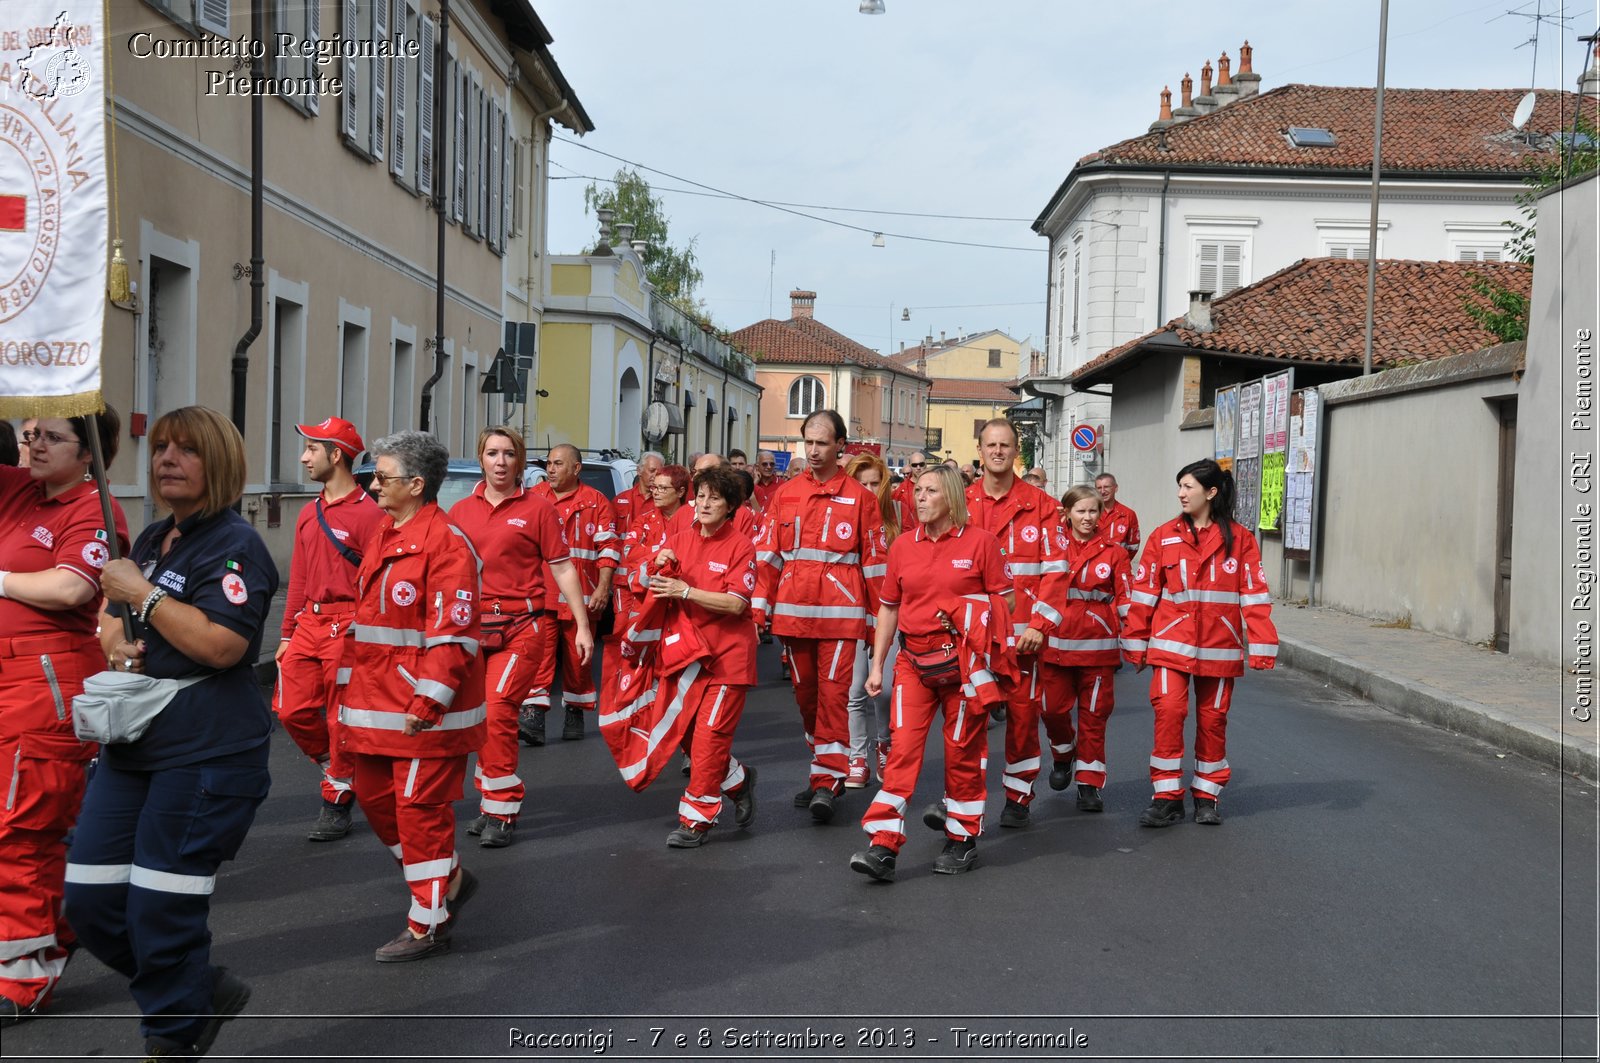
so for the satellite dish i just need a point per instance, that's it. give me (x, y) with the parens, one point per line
(655, 422)
(1523, 112)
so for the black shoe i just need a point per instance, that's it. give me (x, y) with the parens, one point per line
(822, 805)
(933, 816)
(475, 828)
(685, 838)
(228, 997)
(496, 833)
(405, 948)
(1089, 799)
(333, 822)
(530, 726)
(1205, 812)
(1015, 814)
(158, 1049)
(12, 1013)
(688, 762)
(572, 726)
(744, 802)
(876, 863)
(803, 798)
(998, 712)
(1162, 813)
(1060, 774)
(958, 857)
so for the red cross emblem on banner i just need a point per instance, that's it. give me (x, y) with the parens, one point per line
(13, 213)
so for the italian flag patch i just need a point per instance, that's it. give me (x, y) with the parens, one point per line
(233, 566)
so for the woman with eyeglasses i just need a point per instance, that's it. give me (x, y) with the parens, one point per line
(53, 544)
(668, 491)
(164, 813)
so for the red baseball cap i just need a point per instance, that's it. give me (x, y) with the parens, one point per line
(335, 430)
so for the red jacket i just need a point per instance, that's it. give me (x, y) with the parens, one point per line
(1027, 523)
(590, 526)
(414, 645)
(1197, 610)
(318, 572)
(820, 559)
(1119, 524)
(1080, 607)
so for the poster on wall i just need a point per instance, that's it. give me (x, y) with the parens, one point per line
(1225, 426)
(1247, 457)
(1274, 447)
(1299, 507)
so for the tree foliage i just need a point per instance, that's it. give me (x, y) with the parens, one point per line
(673, 271)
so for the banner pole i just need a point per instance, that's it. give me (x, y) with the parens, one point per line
(97, 467)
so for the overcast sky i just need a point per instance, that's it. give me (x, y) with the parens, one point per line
(969, 107)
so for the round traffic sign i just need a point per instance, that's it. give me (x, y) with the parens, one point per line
(1084, 437)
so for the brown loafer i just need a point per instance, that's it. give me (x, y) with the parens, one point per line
(405, 948)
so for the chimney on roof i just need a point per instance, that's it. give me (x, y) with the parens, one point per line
(1589, 81)
(1186, 110)
(1164, 118)
(922, 362)
(1226, 91)
(802, 304)
(1198, 319)
(941, 337)
(1247, 81)
(1205, 103)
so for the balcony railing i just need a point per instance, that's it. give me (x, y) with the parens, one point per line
(692, 335)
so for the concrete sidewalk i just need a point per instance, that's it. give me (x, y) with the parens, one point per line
(1508, 702)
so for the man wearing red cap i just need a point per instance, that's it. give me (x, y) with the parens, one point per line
(329, 539)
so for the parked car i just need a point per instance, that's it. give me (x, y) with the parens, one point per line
(606, 470)
(460, 478)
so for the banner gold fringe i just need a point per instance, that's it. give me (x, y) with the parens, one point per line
(19, 406)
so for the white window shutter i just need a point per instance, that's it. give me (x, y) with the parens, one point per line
(1490, 255)
(349, 69)
(494, 183)
(470, 189)
(313, 35)
(397, 92)
(507, 176)
(212, 16)
(480, 151)
(458, 198)
(1232, 267)
(1077, 287)
(1206, 275)
(519, 171)
(425, 83)
(380, 81)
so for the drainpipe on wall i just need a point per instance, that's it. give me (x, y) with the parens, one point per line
(1161, 254)
(241, 350)
(441, 59)
(539, 149)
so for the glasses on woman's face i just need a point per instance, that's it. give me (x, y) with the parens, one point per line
(667, 488)
(48, 438)
(381, 480)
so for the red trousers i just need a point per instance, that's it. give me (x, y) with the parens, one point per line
(1090, 689)
(1022, 733)
(506, 675)
(41, 783)
(410, 806)
(713, 770)
(912, 707)
(307, 697)
(822, 669)
(577, 680)
(1169, 697)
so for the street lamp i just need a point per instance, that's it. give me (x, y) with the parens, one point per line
(872, 7)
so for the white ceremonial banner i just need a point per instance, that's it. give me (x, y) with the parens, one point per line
(53, 239)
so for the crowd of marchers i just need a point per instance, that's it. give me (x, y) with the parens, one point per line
(415, 640)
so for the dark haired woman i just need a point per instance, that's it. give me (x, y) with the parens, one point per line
(1200, 611)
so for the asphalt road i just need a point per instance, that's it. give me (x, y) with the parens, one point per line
(1379, 890)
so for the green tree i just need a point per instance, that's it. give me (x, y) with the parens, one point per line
(1503, 312)
(673, 271)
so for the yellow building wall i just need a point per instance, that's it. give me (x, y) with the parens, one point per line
(569, 280)
(628, 287)
(957, 419)
(564, 357)
(970, 361)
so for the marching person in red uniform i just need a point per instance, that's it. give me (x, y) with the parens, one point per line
(413, 705)
(1074, 630)
(1117, 522)
(935, 575)
(631, 505)
(53, 544)
(1200, 610)
(515, 533)
(590, 526)
(1026, 521)
(711, 567)
(744, 521)
(329, 539)
(766, 477)
(649, 533)
(869, 717)
(905, 490)
(818, 569)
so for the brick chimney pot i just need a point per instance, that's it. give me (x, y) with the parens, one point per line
(1205, 79)
(1166, 105)
(1188, 91)
(802, 304)
(1245, 55)
(1222, 70)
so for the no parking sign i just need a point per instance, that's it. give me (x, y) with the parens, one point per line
(1084, 437)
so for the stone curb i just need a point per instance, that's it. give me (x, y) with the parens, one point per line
(1403, 697)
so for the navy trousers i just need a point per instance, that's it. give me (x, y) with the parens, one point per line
(140, 875)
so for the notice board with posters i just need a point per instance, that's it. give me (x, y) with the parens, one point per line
(1299, 506)
(1247, 457)
(1225, 426)
(1275, 389)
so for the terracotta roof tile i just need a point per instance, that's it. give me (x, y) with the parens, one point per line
(1424, 130)
(1315, 311)
(807, 341)
(995, 392)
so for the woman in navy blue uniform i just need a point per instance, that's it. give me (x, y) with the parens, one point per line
(162, 814)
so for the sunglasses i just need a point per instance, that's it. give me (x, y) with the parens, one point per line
(380, 479)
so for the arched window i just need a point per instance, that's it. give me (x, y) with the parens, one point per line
(805, 396)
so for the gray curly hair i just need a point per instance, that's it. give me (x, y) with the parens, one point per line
(419, 454)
